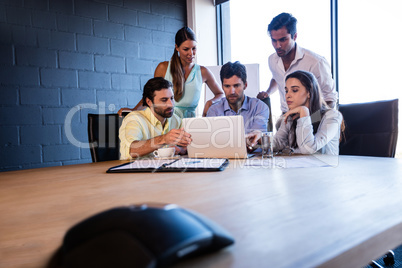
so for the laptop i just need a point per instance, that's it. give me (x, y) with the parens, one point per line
(216, 137)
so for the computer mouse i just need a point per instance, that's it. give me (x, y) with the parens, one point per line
(143, 235)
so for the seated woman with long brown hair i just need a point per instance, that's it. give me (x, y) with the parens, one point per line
(310, 125)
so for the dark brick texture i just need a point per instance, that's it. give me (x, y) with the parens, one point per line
(63, 59)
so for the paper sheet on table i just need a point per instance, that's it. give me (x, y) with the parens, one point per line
(299, 161)
(198, 163)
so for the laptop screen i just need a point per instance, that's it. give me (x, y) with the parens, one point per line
(216, 137)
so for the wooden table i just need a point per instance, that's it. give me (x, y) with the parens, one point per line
(341, 216)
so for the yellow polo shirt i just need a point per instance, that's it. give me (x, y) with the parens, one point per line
(143, 125)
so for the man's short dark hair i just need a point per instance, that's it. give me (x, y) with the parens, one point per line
(230, 69)
(283, 19)
(154, 84)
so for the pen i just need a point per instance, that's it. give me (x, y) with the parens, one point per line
(192, 162)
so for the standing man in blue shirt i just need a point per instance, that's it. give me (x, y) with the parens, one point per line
(254, 111)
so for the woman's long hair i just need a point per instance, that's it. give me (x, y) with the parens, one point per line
(176, 69)
(318, 107)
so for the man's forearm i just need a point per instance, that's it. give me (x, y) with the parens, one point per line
(141, 148)
(273, 86)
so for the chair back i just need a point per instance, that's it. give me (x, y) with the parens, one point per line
(103, 136)
(267, 101)
(371, 128)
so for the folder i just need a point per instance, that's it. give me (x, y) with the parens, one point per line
(172, 165)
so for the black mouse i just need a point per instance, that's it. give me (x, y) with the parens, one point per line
(145, 235)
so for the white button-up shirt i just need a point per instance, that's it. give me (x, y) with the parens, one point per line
(305, 60)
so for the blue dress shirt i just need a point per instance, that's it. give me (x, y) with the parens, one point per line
(255, 113)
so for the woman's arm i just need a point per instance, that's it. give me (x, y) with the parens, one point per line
(298, 112)
(281, 137)
(328, 129)
(161, 69)
(209, 79)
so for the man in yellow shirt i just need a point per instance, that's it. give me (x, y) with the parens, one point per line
(157, 126)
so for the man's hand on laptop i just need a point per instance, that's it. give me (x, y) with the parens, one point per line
(252, 139)
(177, 137)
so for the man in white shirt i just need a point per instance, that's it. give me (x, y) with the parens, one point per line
(290, 57)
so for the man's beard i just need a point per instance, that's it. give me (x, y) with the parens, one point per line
(165, 113)
(234, 99)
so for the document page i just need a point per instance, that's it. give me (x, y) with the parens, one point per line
(201, 163)
(294, 161)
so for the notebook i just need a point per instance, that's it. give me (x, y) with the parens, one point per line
(216, 137)
(166, 165)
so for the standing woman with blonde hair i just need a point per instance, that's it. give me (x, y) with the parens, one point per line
(310, 125)
(186, 76)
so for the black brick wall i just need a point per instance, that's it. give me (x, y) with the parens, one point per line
(66, 58)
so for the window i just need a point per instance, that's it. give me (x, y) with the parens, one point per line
(369, 53)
